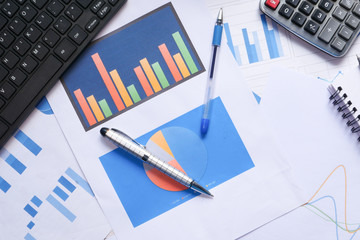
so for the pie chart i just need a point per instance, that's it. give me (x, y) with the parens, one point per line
(182, 149)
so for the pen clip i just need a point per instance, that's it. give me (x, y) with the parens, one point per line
(128, 137)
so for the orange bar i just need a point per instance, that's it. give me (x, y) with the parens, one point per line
(121, 88)
(181, 64)
(95, 108)
(150, 74)
(85, 107)
(107, 80)
(170, 62)
(144, 82)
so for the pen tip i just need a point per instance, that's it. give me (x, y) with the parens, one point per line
(220, 16)
(204, 126)
(103, 131)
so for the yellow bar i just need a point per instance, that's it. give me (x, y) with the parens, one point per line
(181, 64)
(150, 74)
(95, 108)
(121, 88)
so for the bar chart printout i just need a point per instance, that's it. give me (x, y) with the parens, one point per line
(131, 65)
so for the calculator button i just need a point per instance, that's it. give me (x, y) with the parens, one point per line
(339, 13)
(338, 44)
(286, 11)
(356, 10)
(319, 16)
(326, 5)
(313, 1)
(298, 19)
(306, 8)
(345, 33)
(352, 21)
(311, 27)
(272, 3)
(329, 30)
(293, 3)
(347, 4)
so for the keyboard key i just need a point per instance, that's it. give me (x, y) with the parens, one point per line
(17, 25)
(314, 1)
(298, 19)
(9, 8)
(356, 10)
(113, 2)
(326, 5)
(28, 64)
(99, 3)
(62, 25)
(339, 13)
(43, 20)
(103, 11)
(51, 38)
(84, 3)
(3, 73)
(17, 77)
(33, 33)
(73, 12)
(319, 16)
(55, 8)
(306, 8)
(28, 12)
(10, 59)
(21, 2)
(92, 24)
(3, 21)
(329, 30)
(345, 33)
(347, 4)
(6, 90)
(286, 11)
(40, 51)
(6, 38)
(77, 34)
(21, 46)
(311, 27)
(39, 3)
(338, 44)
(352, 21)
(65, 49)
(31, 89)
(293, 3)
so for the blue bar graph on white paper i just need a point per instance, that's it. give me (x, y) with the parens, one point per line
(272, 39)
(61, 194)
(30, 210)
(234, 49)
(257, 46)
(79, 180)
(67, 184)
(12, 161)
(61, 208)
(35, 200)
(31, 225)
(28, 142)
(4, 185)
(250, 48)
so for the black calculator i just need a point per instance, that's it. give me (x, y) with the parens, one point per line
(330, 25)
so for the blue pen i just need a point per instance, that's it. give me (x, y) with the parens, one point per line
(205, 120)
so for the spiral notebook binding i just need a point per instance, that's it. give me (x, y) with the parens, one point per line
(338, 99)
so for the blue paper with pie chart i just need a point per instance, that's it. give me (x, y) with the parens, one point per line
(212, 160)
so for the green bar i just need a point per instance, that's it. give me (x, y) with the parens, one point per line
(133, 93)
(185, 52)
(160, 75)
(105, 108)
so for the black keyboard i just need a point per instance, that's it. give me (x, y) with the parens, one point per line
(39, 39)
(330, 25)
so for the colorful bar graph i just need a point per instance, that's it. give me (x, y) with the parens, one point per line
(133, 93)
(67, 184)
(4, 185)
(85, 107)
(79, 180)
(181, 64)
(121, 88)
(170, 62)
(29, 237)
(12, 161)
(95, 108)
(160, 75)
(185, 52)
(35, 200)
(30, 210)
(105, 108)
(150, 74)
(61, 208)
(30, 225)
(144, 82)
(107, 80)
(61, 194)
(28, 142)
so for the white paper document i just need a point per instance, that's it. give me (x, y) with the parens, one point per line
(323, 153)
(43, 193)
(146, 76)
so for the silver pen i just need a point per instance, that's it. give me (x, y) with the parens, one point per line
(123, 141)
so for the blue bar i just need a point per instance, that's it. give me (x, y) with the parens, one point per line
(29, 237)
(278, 42)
(35, 200)
(79, 180)
(229, 38)
(61, 208)
(270, 39)
(31, 225)
(30, 210)
(4, 185)
(68, 185)
(250, 48)
(12, 161)
(237, 55)
(63, 195)
(257, 46)
(28, 142)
